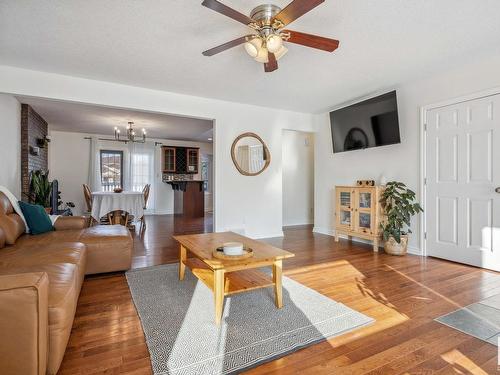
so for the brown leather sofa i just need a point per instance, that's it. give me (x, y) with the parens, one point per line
(40, 281)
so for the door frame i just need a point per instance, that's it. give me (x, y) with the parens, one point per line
(423, 151)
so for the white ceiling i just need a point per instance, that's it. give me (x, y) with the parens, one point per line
(158, 44)
(83, 118)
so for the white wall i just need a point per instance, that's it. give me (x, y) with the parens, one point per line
(250, 203)
(10, 144)
(396, 162)
(72, 171)
(298, 177)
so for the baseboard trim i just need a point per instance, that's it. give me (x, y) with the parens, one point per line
(331, 232)
(161, 213)
(324, 230)
(272, 235)
(414, 250)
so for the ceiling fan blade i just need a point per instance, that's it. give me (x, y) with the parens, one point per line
(228, 45)
(272, 65)
(313, 41)
(296, 9)
(227, 11)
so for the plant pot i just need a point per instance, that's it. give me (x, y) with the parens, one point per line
(394, 248)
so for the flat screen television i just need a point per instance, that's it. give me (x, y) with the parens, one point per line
(370, 123)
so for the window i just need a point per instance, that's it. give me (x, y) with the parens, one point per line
(111, 169)
(141, 171)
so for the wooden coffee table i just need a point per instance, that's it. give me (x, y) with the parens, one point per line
(226, 277)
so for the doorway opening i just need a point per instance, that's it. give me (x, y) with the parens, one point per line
(121, 150)
(298, 178)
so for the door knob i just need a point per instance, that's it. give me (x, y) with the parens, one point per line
(497, 190)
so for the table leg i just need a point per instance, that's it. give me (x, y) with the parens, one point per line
(277, 279)
(218, 294)
(182, 259)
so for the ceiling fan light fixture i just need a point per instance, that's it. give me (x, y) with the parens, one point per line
(274, 43)
(281, 52)
(262, 56)
(268, 23)
(253, 46)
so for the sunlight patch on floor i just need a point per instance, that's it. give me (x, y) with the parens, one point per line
(344, 283)
(461, 363)
(425, 287)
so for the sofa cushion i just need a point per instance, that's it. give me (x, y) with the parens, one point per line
(99, 233)
(11, 223)
(26, 256)
(2, 238)
(65, 280)
(109, 248)
(44, 239)
(36, 217)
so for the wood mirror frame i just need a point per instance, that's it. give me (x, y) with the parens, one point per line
(267, 154)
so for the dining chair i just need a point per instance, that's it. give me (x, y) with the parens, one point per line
(145, 192)
(87, 193)
(88, 198)
(130, 218)
(88, 202)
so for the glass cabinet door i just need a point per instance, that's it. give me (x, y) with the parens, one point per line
(192, 160)
(169, 159)
(345, 199)
(365, 199)
(365, 220)
(345, 218)
(365, 210)
(345, 202)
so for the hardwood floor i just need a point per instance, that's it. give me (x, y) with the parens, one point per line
(403, 294)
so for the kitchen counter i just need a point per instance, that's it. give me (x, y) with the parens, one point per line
(189, 197)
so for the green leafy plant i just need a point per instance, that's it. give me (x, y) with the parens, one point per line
(399, 206)
(40, 188)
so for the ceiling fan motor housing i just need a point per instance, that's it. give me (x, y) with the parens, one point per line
(264, 13)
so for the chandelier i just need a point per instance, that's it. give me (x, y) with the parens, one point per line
(130, 134)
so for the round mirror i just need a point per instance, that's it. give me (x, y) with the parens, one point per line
(250, 154)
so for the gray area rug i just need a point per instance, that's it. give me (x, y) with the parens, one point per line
(481, 320)
(178, 322)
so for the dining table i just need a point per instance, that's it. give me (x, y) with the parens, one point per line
(105, 202)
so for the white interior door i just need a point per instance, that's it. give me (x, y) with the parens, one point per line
(463, 172)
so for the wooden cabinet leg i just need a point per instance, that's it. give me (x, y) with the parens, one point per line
(375, 245)
(218, 294)
(277, 279)
(182, 260)
(336, 237)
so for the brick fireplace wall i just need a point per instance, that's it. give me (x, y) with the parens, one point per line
(33, 127)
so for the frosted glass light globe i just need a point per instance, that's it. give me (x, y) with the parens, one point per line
(281, 52)
(262, 56)
(252, 47)
(274, 43)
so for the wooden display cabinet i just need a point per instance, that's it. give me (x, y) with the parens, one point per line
(180, 160)
(192, 160)
(358, 213)
(169, 159)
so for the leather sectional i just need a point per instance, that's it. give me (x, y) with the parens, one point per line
(40, 280)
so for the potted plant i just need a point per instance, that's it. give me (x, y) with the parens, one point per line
(399, 205)
(40, 189)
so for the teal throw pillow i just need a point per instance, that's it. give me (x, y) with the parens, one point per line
(36, 217)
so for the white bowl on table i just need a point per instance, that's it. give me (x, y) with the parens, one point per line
(232, 248)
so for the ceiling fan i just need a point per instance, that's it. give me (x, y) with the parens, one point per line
(266, 45)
